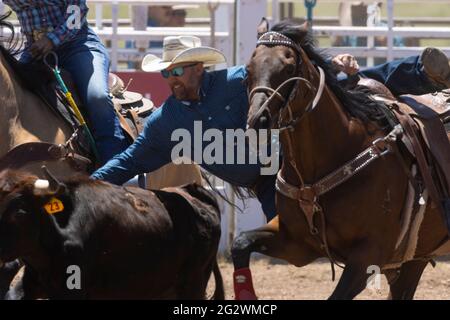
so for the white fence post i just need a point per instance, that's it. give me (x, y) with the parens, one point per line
(224, 22)
(114, 40)
(275, 11)
(390, 36)
(2, 11)
(99, 16)
(250, 13)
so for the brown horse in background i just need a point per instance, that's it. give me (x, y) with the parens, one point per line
(322, 127)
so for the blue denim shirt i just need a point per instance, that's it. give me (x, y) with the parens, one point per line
(223, 105)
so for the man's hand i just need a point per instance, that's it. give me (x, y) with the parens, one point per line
(345, 63)
(41, 47)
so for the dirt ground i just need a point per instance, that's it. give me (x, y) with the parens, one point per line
(275, 281)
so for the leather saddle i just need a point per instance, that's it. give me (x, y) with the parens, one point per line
(131, 107)
(422, 118)
(431, 105)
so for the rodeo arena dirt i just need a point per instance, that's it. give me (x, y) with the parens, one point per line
(276, 280)
(340, 167)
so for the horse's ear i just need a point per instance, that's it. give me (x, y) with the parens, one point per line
(304, 26)
(263, 27)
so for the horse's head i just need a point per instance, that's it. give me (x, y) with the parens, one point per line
(274, 68)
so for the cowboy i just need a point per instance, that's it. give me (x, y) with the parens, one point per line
(216, 99)
(61, 26)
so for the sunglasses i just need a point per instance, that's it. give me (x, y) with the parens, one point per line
(176, 72)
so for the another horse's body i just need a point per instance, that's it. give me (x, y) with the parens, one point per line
(360, 219)
(24, 118)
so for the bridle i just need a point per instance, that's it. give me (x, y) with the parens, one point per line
(273, 38)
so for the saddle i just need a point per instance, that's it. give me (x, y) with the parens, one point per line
(132, 108)
(422, 118)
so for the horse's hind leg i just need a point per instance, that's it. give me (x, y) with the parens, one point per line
(403, 287)
(355, 275)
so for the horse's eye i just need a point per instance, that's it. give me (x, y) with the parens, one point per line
(290, 69)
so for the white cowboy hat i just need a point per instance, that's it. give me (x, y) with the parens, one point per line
(182, 49)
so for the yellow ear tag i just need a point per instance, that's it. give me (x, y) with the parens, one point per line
(54, 206)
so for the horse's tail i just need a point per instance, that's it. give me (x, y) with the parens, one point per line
(219, 292)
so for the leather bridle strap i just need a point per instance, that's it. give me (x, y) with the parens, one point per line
(264, 89)
(275, 93)
(294, 121)
(309, 194)
(273, 38)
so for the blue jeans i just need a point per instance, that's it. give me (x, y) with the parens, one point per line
(401, 76)
(265, 193)
(87, 60)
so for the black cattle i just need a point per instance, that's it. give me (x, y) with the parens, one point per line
(123, 242)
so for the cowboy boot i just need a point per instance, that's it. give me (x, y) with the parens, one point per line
(436, 66)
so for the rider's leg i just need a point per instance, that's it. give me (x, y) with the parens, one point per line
(265, 192)
(88, 62)
(414, 75)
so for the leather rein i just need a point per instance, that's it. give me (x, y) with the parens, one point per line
(308, 195)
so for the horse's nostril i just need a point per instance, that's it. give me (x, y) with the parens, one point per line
(263, 122)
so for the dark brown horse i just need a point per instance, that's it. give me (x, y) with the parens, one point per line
(358, 220)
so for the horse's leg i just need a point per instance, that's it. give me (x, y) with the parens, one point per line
(403, 287)
(268, 241)
(7, 274)
(264, 239)
(354, 277)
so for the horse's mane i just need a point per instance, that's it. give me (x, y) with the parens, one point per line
(358, 103)
(9, 45)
